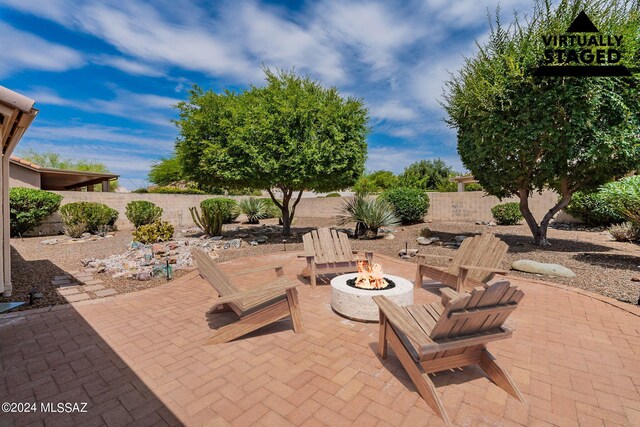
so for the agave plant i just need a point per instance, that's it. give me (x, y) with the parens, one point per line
(254, 209)
(368, 213)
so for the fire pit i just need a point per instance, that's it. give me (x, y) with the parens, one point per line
(351, 294)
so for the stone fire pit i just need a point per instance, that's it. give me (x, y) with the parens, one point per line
(357, 304)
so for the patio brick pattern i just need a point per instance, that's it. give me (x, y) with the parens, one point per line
(139, 359)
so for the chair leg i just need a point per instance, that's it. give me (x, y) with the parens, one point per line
(382, 338)
(250, 323)
(418, 277)
(498, 375)
(294, 309)
(312, 270)
(420, 379)
(224, 308)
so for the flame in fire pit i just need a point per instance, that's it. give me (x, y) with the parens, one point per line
(370, 277)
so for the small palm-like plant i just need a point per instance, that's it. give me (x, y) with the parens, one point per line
(254, 209)
(368, 213)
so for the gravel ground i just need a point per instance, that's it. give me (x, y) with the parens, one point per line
(601, 264)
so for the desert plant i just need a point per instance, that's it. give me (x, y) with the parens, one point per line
(228, 207)
(254, 209)
(592, 208)
(271, 210)
(174, 190)
(159, 231)
(90, 213)
(142, 212)
(210, 221)
(75, 230)
(507, 213)
(410, 204)
(425, 232)
(28, 207)
(625, 232)
(624, 197)
(368, 213)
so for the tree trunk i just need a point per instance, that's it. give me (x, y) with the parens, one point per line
(287, 211)
(539, 231)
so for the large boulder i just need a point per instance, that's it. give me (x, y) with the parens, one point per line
(530, 266)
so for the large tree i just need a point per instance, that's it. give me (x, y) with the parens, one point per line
(292, 134)
(427, 175)
(518, 133)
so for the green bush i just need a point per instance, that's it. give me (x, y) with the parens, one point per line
(410, 204)
(174, 190)
(593, 209)
(93, 215)
(333, 195)
(142, 212)
(271, 210)
(229, 208)
(368, 213)
(507, 213)
(473, 186)
(159, 231)
(28, 207)
(624, 197)
(625, 232)
(254, 209)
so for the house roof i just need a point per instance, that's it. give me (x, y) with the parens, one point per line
(465, 179)
(16, 114)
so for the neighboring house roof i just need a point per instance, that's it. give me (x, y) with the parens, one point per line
(61, 179)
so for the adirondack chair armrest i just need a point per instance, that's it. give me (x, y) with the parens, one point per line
(305, 255)
(278, 269)
(448, 294)
(487, 269)
(279, 285)
(421, 257)
(367, 254)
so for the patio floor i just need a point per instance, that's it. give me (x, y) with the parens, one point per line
(139, 358)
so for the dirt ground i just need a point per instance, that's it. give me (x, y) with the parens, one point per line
(601, 264)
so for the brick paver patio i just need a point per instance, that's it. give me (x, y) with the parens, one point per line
(139, 358)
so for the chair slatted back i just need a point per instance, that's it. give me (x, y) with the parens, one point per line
(485, 250)
(216, 278)
(483, 310)
(328, 246)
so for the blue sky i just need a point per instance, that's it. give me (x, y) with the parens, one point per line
(105, 73)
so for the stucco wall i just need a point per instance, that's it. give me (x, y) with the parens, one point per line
(461, 207)
(19, 176)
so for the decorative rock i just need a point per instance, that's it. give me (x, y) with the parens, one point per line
(253, 243)
(492, 224)
(530, 266)
(482, 223)
(216, 238)
(635, 279)
(86, 235)
(143, 276)
(424, 241)
(262, 239)
(460, 239)
(410, 253)
(50, 242)
(389, 236)
(426, 232)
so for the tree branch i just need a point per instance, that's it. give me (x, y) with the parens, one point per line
(293, 207)
(277, 203)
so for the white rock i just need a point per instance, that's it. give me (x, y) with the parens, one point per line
(389, 236)
(50, 242)
(530, 266)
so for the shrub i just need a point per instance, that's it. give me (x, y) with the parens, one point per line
(210, 221)
(271, 210)
(159, 231)
(254, 209)
(625, 232)
(229, 208)
(507, 213)
(140, 191)
(92, 214)
(28, 207)
(368, 213)
(593, 209)
(624, 197)
(142, 212)
(174, 190)
(333, 195)
(473, 186)
(410, 204)
(75, 230)
(425, 232)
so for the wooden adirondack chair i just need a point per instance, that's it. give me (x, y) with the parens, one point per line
(255, 308)
(329, 251)
(476, 261)
(449, 334)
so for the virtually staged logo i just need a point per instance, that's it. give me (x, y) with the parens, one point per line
(584, 54)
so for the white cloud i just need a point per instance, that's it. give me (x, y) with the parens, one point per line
(128, 66)
(23, 50)
(393, 110)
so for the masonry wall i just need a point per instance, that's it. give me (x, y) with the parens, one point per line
(20, 176)
(456, 207)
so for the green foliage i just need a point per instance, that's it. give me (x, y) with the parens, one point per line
(28, 207)
(624, 197)
(142, 212)
(410, 204)
(228, 207)
(425, 232)
(625, 232)
(244, 192)
(518, 133)
(75, 230)
(507, 213)
(333, 195)
(368, 213)
(94, 215)
(166, 172)
(473, 186)
(364, 186)
(426, 175)
(271, 210)
(158, 231)
(291, 133)
(210, 221)
(447, 186)
(254, 209)
(174, 190)
(142, 190)
(592, 208)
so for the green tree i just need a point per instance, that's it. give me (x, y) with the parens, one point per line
(166, 171)
(375, 182)
(426, 175)
(291, 135)
(518, 133)
(53, 160)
